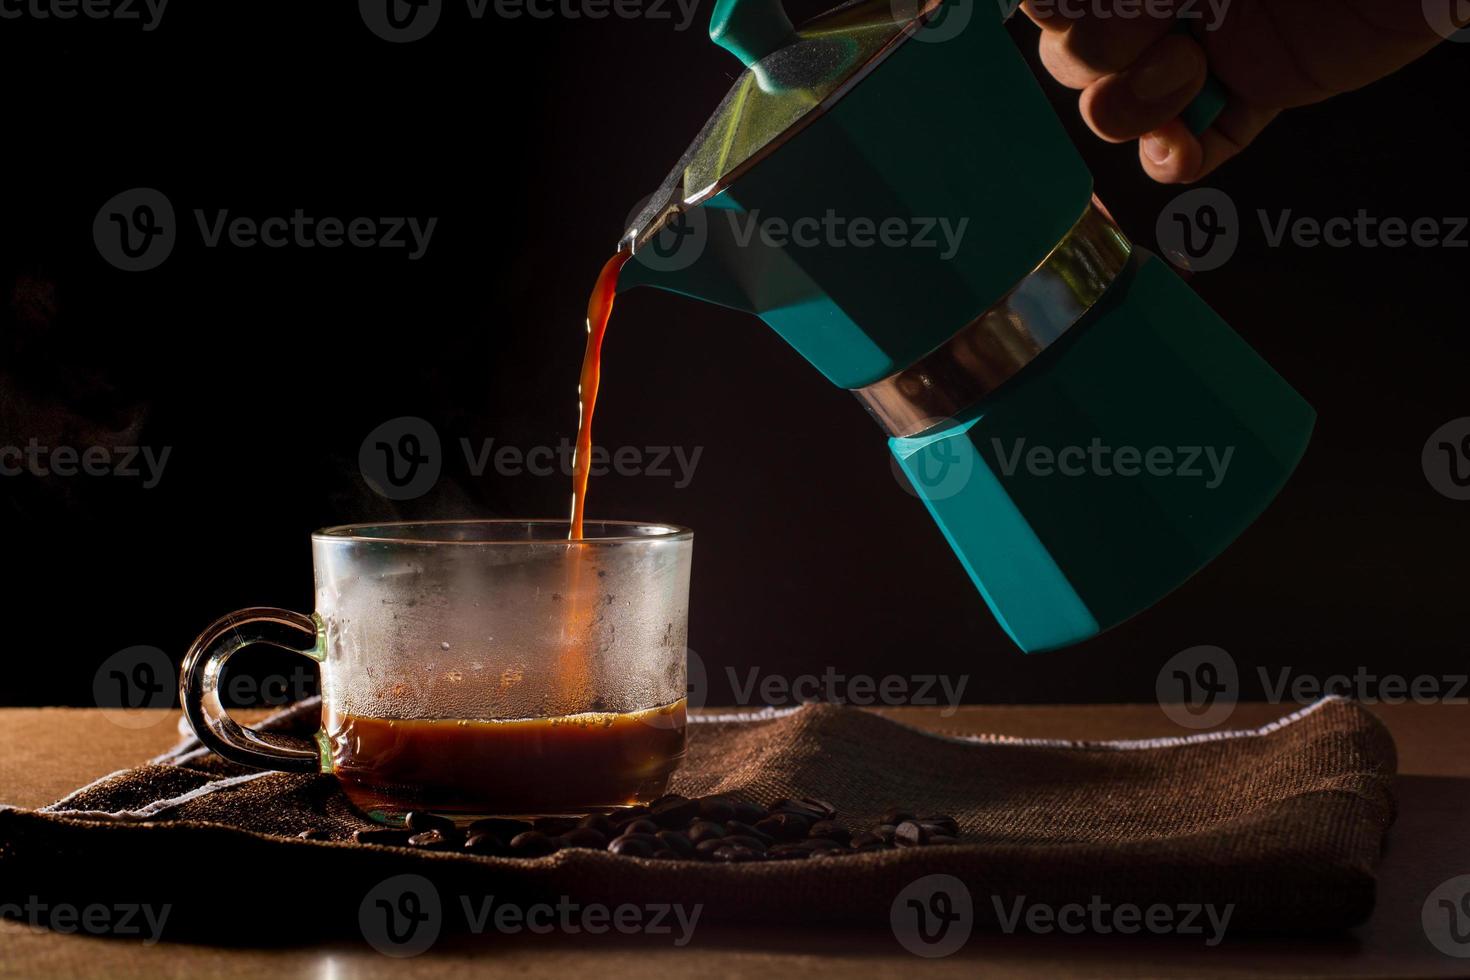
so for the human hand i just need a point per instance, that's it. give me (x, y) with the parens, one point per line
(1137, 71)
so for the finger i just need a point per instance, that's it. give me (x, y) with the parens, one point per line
(1173, 155)
(1044, 16)
(1092, 47)
(1150, 92)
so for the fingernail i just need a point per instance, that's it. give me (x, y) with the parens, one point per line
(1156, 149)
(1173, 71)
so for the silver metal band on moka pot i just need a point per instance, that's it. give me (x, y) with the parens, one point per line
(993, 347)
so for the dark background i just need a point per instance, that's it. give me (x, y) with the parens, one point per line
(530, 140)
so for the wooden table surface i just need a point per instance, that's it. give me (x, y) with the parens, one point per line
(49, 751)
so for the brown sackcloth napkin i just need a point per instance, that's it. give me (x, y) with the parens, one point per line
(1285, 823)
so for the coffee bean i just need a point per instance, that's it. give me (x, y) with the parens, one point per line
(942, 839)
(749, 813)
(676, 842)
(785, 826)
(827, 810)
(664, 854)
(741, 840)
(632, 847)
(653, 842)
(799, 807)
(315, 835)
(484, 844)
(598, 822)
(734, 854)
(434, 840)
(910, 834)
(708, 847)
(746, 830)
(813, 844)
(885, 832)
(831, 830)
(421, 820)
(946, 824)
(554, 826)
(826, 852)
(702, 830)
(640, 826)
(628, 814)
(584, 837)
(895, 815)
(716, 809)
(675, 812)
(386, 838)
(787, 852)
(503, 827)
(865, 841)
(532, 843)
(666, 798)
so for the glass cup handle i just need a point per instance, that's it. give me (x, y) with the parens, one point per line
(199, 688)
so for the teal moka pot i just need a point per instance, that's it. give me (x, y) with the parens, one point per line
(893, 195)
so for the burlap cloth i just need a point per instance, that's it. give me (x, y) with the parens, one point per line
(1285, 823)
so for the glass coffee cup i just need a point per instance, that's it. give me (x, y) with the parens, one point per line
(476, 668)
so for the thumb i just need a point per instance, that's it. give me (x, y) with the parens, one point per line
(1172, 154)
